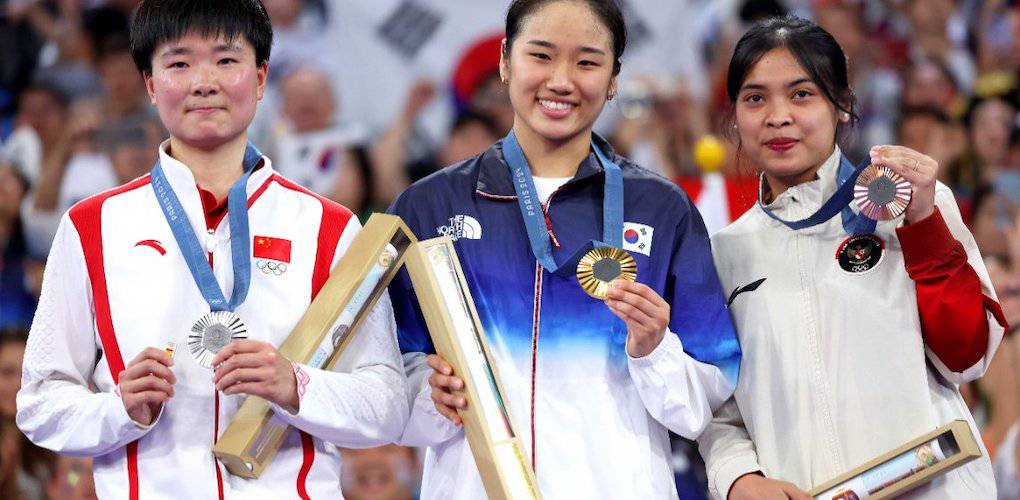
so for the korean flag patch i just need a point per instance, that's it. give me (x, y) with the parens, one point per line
(637, 237)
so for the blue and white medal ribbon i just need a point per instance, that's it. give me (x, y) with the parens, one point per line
(853, 223)
(221, 325)
(534, 217)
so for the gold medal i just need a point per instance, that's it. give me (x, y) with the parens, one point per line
(599, 267)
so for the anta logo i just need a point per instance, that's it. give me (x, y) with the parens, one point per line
(461, 226)
(153, 244)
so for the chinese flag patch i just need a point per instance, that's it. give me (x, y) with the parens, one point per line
(267, 247)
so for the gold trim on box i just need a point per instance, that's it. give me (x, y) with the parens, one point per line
(253, 436)
(941, 451)
(459, 338)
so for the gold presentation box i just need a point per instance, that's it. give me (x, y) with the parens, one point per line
(906, 467)
(458, 336)
(320, 336)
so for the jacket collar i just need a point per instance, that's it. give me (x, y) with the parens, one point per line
(182, 181)
(494, 174)
(807, 197)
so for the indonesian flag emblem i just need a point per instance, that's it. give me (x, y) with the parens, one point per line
(267, 247)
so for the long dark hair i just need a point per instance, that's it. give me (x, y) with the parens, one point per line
(608, 11)
(814, 48)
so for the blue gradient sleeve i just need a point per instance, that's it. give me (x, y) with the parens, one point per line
(412, 332)
(698, 306)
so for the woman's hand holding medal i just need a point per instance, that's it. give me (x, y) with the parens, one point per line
(920, 170)
(644, 311)
(257, 369)
(146, 383)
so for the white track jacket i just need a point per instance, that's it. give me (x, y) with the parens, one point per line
(116, 283)
(835, 371)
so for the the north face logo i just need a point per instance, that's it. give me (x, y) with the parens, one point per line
(461, 226)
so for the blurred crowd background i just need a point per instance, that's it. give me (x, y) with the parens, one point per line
(367, 96)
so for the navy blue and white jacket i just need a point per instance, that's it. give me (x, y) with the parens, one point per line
(593, 419)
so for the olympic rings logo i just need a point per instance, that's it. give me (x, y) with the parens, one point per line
(269, 267)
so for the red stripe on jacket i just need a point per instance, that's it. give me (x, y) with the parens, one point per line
(950, 301)
(334, 219)
(87, 218)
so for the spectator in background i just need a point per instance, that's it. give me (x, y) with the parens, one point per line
(310, 148)
(470, 134)
(988, 122)
(42, 114)
(928, 130)
(24, 467)
(72, 35)
(389, 472)
(928, 83)
(71, 171)
(995, 41)
(123, 90)
(473, 130)
(390, 153)
(476, 84)
(12, 352)
(875, 85)
(71, 479)
(16, 304)
(130, 143)
(299, 35)
(19, 59)
(932, 22)
(660, 125)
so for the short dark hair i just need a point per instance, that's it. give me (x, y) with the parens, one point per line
(815, 49)
(608, 11)
(469, 117)
(160, 21)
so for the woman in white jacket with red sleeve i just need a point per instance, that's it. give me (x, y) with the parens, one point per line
(855, 333)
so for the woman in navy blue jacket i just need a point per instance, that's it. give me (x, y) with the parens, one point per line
(592, 385)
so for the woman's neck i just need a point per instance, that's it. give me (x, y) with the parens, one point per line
(553, 158)
(215, 170)
(776, 185)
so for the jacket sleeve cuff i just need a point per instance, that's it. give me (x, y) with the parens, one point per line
(926, 240)
(722, 477)
(670, 342)
(302, 380)
(129, 429)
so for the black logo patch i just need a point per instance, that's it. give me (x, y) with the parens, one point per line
(860, 254)
(750, 287)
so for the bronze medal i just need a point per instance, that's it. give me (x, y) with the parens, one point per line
(881, 194)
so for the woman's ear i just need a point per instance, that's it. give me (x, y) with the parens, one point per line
(263, 75)
(504, 63)
(147, 78)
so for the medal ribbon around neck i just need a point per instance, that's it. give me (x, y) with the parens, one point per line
(853, 223)
(194, 255)
(534, 217)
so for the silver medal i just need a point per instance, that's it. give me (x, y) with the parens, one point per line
(212, 332)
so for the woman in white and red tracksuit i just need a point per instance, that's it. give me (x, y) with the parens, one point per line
(120, 284)
(854, 336)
